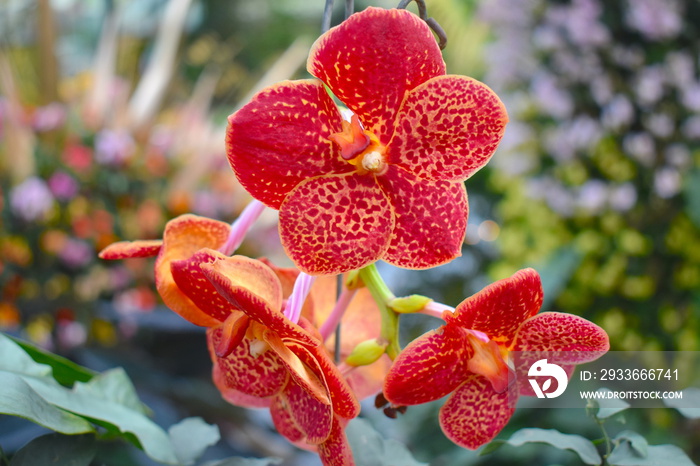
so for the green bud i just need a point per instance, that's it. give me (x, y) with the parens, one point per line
(353, 280)
(408, 304)
(366, 353)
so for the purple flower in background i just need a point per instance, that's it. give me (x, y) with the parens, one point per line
(593, 195)
(31, 200)
(618, 113)
(113, 147)
(656, 19)
(76, 253)
(49, 117)
(63, 186)
(667, 182)
(623, 197)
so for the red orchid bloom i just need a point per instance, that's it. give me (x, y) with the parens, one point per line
(182, 238)
(468, 356)
(388, 184)
(261, 358)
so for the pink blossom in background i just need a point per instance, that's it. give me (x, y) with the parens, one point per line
(31, 200)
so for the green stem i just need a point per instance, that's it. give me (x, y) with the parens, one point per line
(606, 437)
(381, 293)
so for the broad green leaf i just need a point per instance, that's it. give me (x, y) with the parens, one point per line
(371, 449)
(57, 449)
(14, 359)
(657, 455)
(692, 194)
(606, 407)
(556, 271)
(691, 397)
(237, 461)
(115, 386)
(190, 437)
(583, 447)
(86, 400)
(637, 442)
(65, 371)
(17, 398)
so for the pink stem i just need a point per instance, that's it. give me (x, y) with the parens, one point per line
(336, 314)
(296, 300)
(436, 309)
(241, 225)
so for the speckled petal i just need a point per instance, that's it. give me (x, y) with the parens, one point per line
(236, 397)
(131, 249)
(429, 368)
(183, 236)
(431, 220)
(334, 224)
(577, 338)
(283, 420)
(500, 309)
(280, 138)
(301, 373)
(343, 399)
(474, 414)
(447, 129)
(258, 376)
(191, 281)
(237, 284)
(335, 451)
(372, 59)
(313, 417)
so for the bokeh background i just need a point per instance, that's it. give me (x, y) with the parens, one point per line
(112, 119)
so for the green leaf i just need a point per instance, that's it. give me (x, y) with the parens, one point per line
(692, 194)
(114, 386)
(491, 447)
(583, 447)
(637, 442)
(237, 461)
(371, 449)
(556, 271)
(57, 449)
(190, 437)
(657, 455)
(18, 399)
(691, 397)
(88, 401)
(65, 371)
(16, 360)
(604, 408)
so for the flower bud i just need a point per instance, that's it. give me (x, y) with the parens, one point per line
(366, 353)
(409, 304)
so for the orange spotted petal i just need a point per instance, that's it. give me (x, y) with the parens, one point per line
(474, 414)
(235, 279)
(500, 309)
(233, 330)
(236, 397)
(447, 129)
(577, 339)
(343, 399)
(283, 420)
(431, 220)
(313, 417)
(372, 59)
(335, 451)
(334, 224)
(183, 236)
(190, 280)
(280, 138)
(430, 367)
(131, 249)
(299, 371)
(259, 376)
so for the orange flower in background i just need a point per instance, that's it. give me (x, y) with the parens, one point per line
(467, 357)
(388, 184)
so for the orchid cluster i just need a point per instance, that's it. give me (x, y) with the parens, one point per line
(381, 179)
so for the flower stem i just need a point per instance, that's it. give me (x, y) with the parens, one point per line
(336, 314)
(296, 300)
(381, 293)
(241, 225)
(606, 437)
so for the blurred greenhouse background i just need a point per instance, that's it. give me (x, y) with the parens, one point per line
(112, 119)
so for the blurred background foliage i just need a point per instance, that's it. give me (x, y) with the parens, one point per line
(112, 116)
